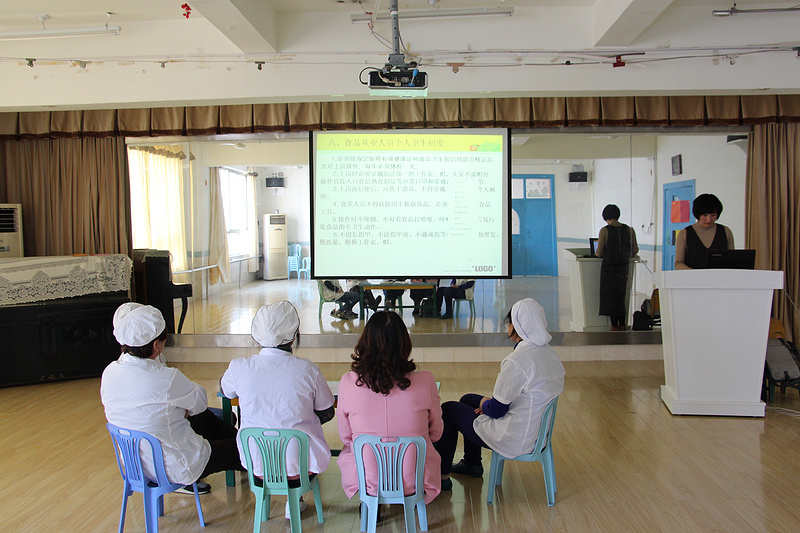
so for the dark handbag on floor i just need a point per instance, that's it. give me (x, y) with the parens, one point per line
(427, 308)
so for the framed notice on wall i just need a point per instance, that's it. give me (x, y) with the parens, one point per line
(677, 165)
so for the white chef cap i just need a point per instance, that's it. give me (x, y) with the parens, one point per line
(137, 325)
(123, 310)
(275, 324)
(529, 321)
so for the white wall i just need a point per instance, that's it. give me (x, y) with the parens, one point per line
(293, 200)
(716, 166)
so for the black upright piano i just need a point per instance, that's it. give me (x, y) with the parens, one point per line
(153, 280)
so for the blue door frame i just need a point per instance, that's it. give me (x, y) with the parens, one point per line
(678, 191)
(533, 240)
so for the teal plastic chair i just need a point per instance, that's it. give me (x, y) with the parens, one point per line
(322, 299)
(471, 305)
(127, 447)
(543, 452)
(272, 444)
(389, 453)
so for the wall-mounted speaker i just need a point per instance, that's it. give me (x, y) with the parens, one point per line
(578, 177)
(274, 182)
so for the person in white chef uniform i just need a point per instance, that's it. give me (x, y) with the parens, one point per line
(280, 391)
(140, 392)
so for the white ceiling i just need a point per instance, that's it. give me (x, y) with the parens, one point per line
(312, 51)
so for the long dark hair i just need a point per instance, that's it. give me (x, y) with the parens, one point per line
(145, 351)
(381, 356)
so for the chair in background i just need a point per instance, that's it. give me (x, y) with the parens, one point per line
(272, 444)
(127, 447)
(322, 298)
(471, 301)
(389, 453)
(306, 268)
(293, 260)
(543, 452)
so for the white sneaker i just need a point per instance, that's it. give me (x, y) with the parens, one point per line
(303, 507)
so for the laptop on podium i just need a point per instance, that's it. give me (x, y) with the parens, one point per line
(741, 259)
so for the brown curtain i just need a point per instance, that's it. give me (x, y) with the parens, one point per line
(546, 112)
(74, 194)
(773, 212)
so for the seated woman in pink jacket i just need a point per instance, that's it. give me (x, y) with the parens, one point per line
(383, 395)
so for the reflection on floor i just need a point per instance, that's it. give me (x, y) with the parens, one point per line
(231, 311)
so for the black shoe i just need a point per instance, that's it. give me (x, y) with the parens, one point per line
(376, 303)
(415, 312)
(446, 316)
(447, 484)
(202, 488)
(348, 315)
(468, 470)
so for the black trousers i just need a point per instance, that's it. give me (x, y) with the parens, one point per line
(222, 437)
(447, 294)
(458, 417)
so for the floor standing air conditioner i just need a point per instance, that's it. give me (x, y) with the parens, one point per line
(11, 230)
(275, 247)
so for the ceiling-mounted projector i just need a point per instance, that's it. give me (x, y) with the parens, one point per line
(397, 77)
(398, 81)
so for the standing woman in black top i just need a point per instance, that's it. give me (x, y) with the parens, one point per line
(694, 241)
(616, 244)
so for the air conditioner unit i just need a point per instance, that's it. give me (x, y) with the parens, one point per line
(275, 247)
(11, 230)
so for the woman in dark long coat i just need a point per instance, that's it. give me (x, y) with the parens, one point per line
(616, 244)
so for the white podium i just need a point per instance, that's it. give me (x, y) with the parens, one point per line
(714, 332)
(584, 287)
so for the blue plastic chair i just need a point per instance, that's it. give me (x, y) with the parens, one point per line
(272, 444)
(127, 447)
(306, 268)
(293, 260)
(389, 453)
(543, 452)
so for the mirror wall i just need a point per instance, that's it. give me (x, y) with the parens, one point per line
(211, 211)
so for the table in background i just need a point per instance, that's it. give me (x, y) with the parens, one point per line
(396, 285)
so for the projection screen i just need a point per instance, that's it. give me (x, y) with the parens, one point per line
(410, 204)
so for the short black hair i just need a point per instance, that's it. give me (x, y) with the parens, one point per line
(706, 204)
(611, 212)
(144, 352)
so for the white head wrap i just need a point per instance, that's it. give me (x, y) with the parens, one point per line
(275, 324)
(529, 321)
(137, 325)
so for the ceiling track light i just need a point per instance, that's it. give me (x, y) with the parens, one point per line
(436, 13)
(57, 34)
(736, 11)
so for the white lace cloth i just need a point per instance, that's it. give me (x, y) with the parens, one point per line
(34, 279)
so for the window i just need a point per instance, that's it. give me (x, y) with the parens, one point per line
(239, 220)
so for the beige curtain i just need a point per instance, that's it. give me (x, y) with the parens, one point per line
(156, 177)
(218, 234)
(773, 209)
(74, 194)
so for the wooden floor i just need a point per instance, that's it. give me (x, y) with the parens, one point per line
(623, 463)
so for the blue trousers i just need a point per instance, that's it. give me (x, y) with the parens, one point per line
(458, 418)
